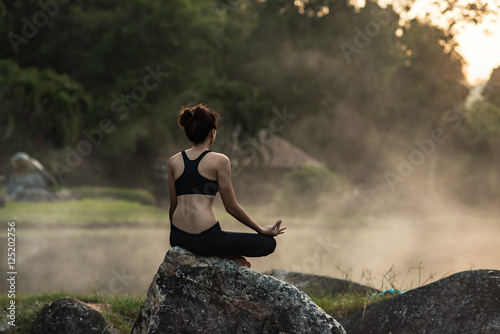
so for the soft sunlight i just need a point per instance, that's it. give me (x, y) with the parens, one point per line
(478, 44)
(480, 50)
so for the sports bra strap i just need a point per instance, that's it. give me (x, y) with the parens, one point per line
(191, 181)
(184, 155)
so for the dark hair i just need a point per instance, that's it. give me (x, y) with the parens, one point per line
(197, 122)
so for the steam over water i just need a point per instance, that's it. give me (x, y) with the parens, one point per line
(443, 239)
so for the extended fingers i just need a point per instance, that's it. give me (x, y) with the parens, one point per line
(278, 229)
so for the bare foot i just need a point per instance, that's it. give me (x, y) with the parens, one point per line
(239, 260)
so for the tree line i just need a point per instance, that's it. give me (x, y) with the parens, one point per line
(365, 84)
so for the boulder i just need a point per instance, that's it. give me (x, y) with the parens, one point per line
(466, 302)
(69, 316)
(320, 285)
(30, 180)
(194, 294)
(33, 195)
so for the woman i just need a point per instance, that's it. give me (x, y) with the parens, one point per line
(196, 175)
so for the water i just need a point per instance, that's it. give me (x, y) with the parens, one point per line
(124, 260)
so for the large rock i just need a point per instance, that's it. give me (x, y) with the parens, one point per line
(69, 316)
(466, 302)
(192, 294)
(320, 285)
(33, 195)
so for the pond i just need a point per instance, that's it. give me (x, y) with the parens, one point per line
(124, 259)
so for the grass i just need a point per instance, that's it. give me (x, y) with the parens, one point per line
(341, 305)
(99, 206)
(126, 194)
(86, 212)
(120, 311)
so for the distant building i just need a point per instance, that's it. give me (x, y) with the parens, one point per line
(287, 156)
(272, 160)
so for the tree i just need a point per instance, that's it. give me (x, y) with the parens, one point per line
(39, 105)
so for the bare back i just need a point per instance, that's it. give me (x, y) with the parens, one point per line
(193, 212)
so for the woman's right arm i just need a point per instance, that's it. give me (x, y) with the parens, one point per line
(233, 207)
(171, 187)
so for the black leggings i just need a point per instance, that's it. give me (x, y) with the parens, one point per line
(215, 242)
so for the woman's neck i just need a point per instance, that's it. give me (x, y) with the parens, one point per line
(200, 147)
(204, 145)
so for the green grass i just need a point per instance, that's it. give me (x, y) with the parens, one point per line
(339, 306)
(135, 195)
(86, 212)
(127, 194)
(99, 206)
(120, 311)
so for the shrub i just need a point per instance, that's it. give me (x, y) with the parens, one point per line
(303, 187)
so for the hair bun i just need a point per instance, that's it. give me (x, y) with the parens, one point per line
(198, 108)
(197, 122)
(186, 117)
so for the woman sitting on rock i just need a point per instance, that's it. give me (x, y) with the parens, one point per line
(196, 175)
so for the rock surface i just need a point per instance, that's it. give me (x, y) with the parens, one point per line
(319, 285)
(192, 294)
(69, 316)
(463, 303)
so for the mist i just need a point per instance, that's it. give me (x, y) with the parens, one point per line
(379, 238)
(412, 158)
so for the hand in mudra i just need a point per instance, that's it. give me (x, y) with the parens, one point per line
(274, 230)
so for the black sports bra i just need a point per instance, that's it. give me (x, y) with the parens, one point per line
(191, 181)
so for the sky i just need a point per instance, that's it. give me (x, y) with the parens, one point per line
(481, 51)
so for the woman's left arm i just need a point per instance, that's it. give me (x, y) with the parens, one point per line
(234, 208)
